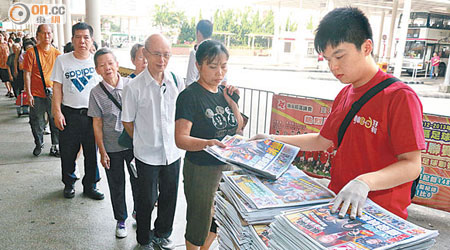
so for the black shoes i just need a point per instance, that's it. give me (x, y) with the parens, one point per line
(69, 192)
(37, 150)
(54, 151)
(94, 194)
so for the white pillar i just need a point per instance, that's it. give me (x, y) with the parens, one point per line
(391, 30)
(380, 36)
(276, 43)
(61, 41)
(402, 38)
(68, 25)
(55, 30)
(447, 74)
(93, 18)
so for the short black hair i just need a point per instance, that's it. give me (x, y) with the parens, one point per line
(340, 25)
(101, 52)
(68, 47)
(82, 26)
(134, 50)
(208, 50)
(26, 43)
(40, 27)
(205, 27)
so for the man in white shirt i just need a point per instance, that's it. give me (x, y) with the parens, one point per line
(73, 78)
(204, 31)
(148, 115)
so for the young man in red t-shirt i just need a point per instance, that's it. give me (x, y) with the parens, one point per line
(380, 154)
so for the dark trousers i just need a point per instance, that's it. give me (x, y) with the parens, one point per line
(78, 131)
(149, 178)
(37, 120)
(116, 182)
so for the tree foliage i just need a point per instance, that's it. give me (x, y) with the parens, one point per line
(241, 23)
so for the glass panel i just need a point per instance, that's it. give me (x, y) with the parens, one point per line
(414, 49)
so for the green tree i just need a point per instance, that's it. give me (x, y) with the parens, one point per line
(290, 25)
(310, 25)
(187, 31)
(163, 17)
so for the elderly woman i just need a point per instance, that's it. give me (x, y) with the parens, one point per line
(205, 113)
(106, 115)
(138, 59)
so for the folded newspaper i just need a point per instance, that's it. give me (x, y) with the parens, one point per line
(317, 228)
(246, 202)
(267, 158)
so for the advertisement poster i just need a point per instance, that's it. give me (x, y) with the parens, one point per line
(299, 115)
(434, 186)
(295, 116)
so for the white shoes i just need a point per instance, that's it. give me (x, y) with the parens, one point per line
(121, 230)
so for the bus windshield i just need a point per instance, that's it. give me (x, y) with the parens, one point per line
(414, 49)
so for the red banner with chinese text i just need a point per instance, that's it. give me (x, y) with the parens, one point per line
(300, 115)
(434, 186)
(295, 115)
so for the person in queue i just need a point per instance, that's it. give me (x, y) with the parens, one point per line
(73, 78)
(138, 59)
(205, 113)
(149, 118)
(106, 119)
(380, 153)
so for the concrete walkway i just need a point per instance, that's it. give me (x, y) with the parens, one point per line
(34, 214)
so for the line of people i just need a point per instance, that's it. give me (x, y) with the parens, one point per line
(93, 106)
(90, 106)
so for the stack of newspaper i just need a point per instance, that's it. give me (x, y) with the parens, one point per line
(317, 228)
(267, 158)
(245, 200)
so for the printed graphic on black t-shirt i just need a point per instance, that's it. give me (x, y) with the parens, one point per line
(210, 115)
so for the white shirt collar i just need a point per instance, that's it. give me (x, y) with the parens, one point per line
(119, 84)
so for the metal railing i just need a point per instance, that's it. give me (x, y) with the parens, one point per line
(257, 105)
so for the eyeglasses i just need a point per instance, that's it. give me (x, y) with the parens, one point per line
(159, 54)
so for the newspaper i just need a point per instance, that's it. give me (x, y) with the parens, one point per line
(267, 158)
(293, 188)
(317, 228)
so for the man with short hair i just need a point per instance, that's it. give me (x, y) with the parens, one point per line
(40, 97)
(379, 155)
(74, 76)
(148, 116)
(204, 31)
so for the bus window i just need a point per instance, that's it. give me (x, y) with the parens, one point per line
(414, 49)
(439, 21)
(418, 19)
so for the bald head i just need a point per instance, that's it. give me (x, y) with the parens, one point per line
(157, 51)
(156, 40)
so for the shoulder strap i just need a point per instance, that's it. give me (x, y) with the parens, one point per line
(110, 96)
(40, 67)
(356, 106)
(174, 79)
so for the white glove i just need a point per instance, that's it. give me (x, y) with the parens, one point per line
(260, 137)
(355, 194)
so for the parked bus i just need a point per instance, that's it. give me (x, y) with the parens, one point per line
(428, 32)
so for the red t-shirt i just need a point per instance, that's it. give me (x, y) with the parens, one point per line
(435, 61)
(388, 125)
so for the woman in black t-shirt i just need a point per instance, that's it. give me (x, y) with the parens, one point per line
(205, 113)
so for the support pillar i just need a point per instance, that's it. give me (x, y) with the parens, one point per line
(445, 87)
(68, 25)
(402, 38)
(391, 30)
(93, 18)
(380, 36)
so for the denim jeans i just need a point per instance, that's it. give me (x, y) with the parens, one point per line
(37, 120)
(149, 178)
(116, 182)
(78, 131)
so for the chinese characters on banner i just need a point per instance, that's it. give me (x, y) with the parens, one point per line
(294, 116)
(434, 186)
(299, 115)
